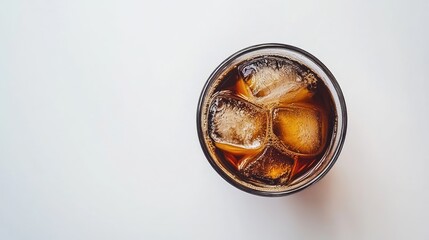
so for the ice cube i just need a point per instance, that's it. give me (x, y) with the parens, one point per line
(272, 80)
(236, 125)
(301, 128)
(272, 167)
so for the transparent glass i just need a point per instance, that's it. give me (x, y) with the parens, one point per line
(334, 143)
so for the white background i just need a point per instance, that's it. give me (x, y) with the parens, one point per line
(97, 119)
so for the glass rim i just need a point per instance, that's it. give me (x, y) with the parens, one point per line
(342, 129)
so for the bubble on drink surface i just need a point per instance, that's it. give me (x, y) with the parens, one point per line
(272, 80)
(300, 127)
(272, 166)
(235, 124)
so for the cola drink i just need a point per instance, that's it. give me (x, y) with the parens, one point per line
(271, 119)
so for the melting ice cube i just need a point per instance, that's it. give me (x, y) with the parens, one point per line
(271, 166)
(272, 80)
(236, 125)
(300, 127)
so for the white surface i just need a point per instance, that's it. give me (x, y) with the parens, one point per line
(97, 120)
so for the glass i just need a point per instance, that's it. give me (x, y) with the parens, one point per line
(271, 119)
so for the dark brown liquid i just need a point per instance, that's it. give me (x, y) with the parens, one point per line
(284, 155)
